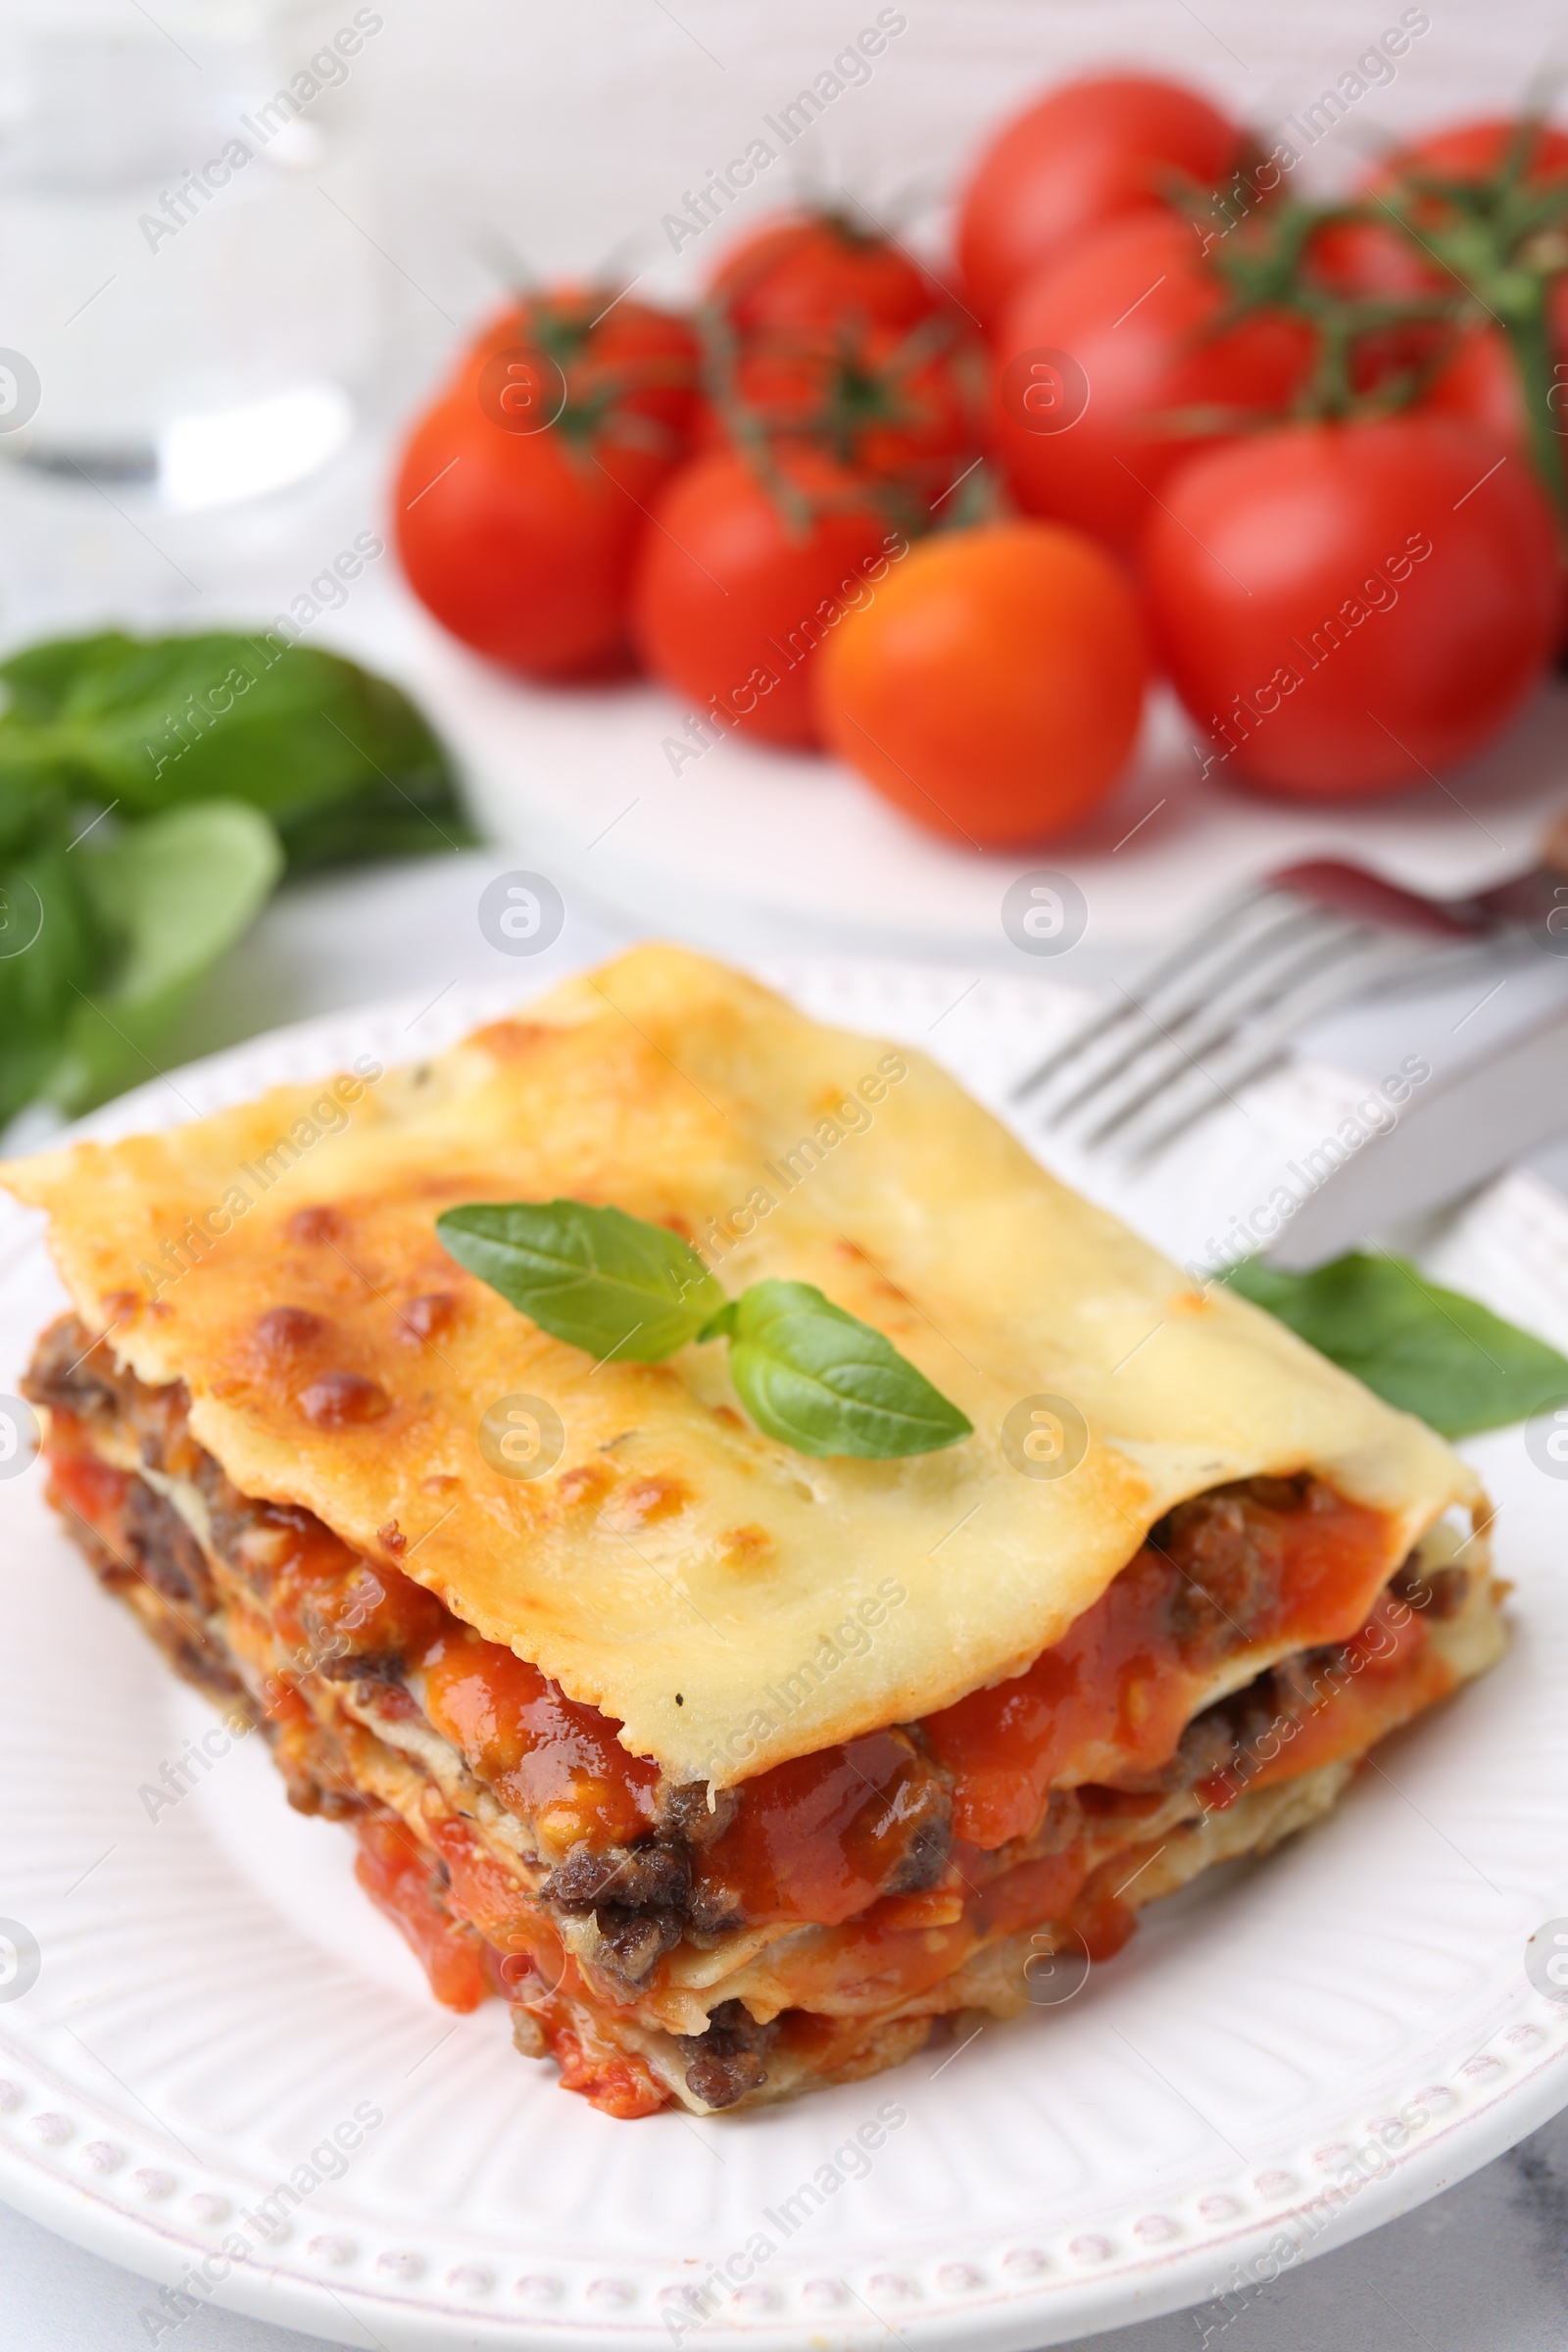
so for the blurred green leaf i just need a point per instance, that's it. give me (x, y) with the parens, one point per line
(1429, 1351)
(177, 891)
(340, 761)
(53, 952)
(151, 793)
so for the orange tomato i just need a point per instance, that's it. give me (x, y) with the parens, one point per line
(992, 687)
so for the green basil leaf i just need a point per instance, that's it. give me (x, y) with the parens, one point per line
(604, 1281)
(32, 804)
(177, 891)
(54, 953)
(339, 760)
(1429, 1351)
(825, 1383)
(214, 758)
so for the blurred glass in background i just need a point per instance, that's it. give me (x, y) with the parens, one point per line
(190, 291)
(195, 310)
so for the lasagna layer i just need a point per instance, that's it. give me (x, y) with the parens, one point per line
(731, 1603)
(678, 1940)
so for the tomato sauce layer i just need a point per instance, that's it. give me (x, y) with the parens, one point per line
(400, 1879)
(552, 1760)
(808, 1839)
(327, 1602)
(815, 1838)
(87, 1488)
(1344, 1699)
(1273, 1565)
(1113, 1696)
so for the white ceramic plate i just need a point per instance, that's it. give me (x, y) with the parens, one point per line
(216, 1998)
(757, 852)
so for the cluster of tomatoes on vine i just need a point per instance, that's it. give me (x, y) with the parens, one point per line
(1163, 416)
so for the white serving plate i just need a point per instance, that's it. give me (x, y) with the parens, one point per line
(215, 1996)
(753, 852)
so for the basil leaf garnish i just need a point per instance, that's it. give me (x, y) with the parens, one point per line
(604, 1281)
(825, 1383)
(1429, 1351)
(809, 1374)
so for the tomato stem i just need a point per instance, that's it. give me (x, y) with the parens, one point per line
(1528, 330)
(1500, 241)
(858, 397)
(1504, 243)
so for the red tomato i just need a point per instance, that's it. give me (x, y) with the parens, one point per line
(1481, 383)
(523, 544)
(816, 268)
(1093, 357)
(1368, 260)
(524, 491)
(1346, 608)
(1480, 386)
(992, 690)
(890, 405)
(609, 351)
(740, 584)
(1376, 257)
(1081, 156)
(1475, 150)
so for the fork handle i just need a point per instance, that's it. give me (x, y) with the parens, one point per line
(1367, 898)
(1530, 900)
(1554, 842)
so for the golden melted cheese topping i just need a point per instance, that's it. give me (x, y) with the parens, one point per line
(730, 1602)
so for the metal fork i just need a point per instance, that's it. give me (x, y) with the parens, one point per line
(1218, 1006)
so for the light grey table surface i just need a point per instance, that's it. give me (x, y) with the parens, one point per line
(1482, 2269)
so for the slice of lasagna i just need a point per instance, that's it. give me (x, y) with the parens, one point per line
(732, 1770)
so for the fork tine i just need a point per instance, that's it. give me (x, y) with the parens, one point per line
(1167, 963)
(1251, 960)
(1226, 1016)
(1251, 1053)
(1252, 988)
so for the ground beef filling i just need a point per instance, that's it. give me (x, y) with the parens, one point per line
(730, 2058)
(1226, 1556)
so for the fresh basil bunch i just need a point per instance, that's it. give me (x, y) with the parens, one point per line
(809, 1375)
(151, 793)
